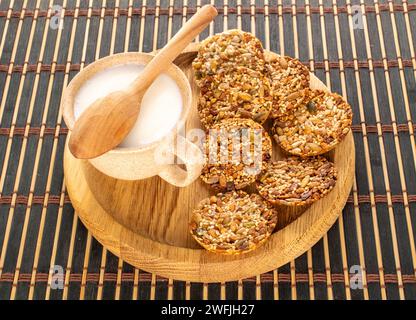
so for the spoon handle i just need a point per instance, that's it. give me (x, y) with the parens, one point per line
(174, 47)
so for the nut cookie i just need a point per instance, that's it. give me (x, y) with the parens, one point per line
(296, 181)
(289, 78)
(235, 150)
(239, 93)
(233, 222)
(225, 50)
(316, 126)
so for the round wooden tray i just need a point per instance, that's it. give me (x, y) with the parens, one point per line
(145, 222)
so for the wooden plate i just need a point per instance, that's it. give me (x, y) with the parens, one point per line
(145, 222)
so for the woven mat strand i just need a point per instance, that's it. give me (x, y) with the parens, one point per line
(362, 49)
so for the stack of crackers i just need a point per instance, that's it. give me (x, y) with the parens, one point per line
(239, 92)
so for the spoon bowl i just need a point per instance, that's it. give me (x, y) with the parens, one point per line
(98, 114)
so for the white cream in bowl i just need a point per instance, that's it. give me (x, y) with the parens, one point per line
(161, 106)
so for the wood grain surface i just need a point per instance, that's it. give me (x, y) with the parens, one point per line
(146, 222)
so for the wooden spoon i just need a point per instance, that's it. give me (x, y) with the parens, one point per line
(105, 123)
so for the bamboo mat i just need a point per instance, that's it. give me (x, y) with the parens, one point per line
(368, 57)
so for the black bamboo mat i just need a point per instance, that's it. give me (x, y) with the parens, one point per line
(361, 49)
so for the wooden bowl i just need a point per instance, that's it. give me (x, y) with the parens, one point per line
(145, 222)
(134, 163)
